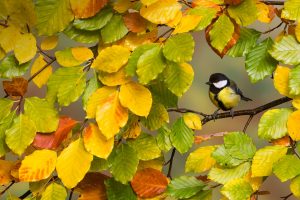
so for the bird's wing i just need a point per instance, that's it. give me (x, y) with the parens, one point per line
(238, 91)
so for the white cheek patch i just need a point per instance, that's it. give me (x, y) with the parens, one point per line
(220, 84)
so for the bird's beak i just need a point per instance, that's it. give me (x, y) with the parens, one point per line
(208, 83)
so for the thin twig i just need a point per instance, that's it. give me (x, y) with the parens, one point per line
(293, 146)
(44, 53)
(11, 184)
(273, 2)
(164, 33)
(287, 196)
(71, 194)
(171, 163)
(247, 123)
(272, 29)
(4, 25)
(26, 194)
(188, 4)
(42, 69)
(185, 110)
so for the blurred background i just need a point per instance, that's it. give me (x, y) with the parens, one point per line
(205, 62)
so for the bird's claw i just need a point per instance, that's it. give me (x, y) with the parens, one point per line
(214, 115)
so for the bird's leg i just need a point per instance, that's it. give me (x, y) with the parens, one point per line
(231, 113)
(214, 115)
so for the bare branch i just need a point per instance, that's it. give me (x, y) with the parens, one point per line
(171, 163)
(7, 188)
(287, 196)
(272, 29)
(273, 2)
(247, 123)
(164, 33)
(42, 69)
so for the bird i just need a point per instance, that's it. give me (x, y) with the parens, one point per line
(224, 93)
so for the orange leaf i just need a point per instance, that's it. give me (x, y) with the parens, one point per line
(53, 140)
(86, 8)
(5, 169)
(16, 87)
(149, 183)
(233, 2)
(92, 187)
(284, 141)
(135, 22)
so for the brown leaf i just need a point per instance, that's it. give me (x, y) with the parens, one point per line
(52, 141)
(16, 87)
(135, 22)
(5, 169)
(92, 187)
(291, 29)
(231, 43)
(284, 141)
(86, 8)
(149, 183)
(233, 2)
(272, 11)
(15, 170)
(203, 178)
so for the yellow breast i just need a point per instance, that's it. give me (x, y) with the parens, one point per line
(229, 98)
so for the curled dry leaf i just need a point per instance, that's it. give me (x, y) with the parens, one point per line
(16, 87)
(52, 141)
(149, 183)
(135, 22)
(92, 187)
(284, 141)
(87, 8)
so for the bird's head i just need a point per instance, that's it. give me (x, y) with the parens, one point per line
(218, 80)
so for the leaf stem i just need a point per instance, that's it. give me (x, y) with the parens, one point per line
(171, 163)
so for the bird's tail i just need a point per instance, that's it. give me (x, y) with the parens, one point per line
(245, 98)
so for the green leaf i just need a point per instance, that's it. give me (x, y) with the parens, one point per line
(179, 48)
(93, 85)
(294, 80)
(157, 117)
(203, 195)
(4, 125)
(259, 63)
(221, 33)
(295, 186)
(67, 84)
(131, 66)
(150, 64)
(82, 36)
(200, 160)
(264, 159)
(5, 105)
(291, 10)
(287, 50)
(272, 124)
(287, 168)
(146, 147)
(207, 15)
(114, 30)
(178, 77)
(54, 191)
(10, 68)
(246, 42)
(34, 107)
(245, 13)
(65, 58)
(160, 93)
(182, 137)
(52, 16)
(184, 187)
(98, 164)
(96, 22)
(123, 162)
(21, 134)
(223, 176)
(163, 138)
(223, 158)
(118, 191)
(237, 189)
(239, 145)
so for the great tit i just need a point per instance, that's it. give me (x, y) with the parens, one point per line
(224, 93)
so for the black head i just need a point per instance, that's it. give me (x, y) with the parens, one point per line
(218, 81)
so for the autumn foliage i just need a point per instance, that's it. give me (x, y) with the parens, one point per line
(129, 64)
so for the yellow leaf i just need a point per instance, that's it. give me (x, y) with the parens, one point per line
(187, 23)
(49, 43)
(5, 169)
(111, 59)
(114, 79)
(297, 32)
(296, 102)
(86, 8)
(73, 163)
(42, 78)
(156, 163)
(255, 182)
(8, 38)
(96, 143)
(173, 23)
(193, 121)
(65, 58)
(137, 98)
(98, 97)
(122, 6)
(25, 48)
(111, 115)
(134, 130)
(161, 12)
(37, 166)
(293, 125)
(148, 2)
(2, 53)
(265, 12)
(281, 80)
(82, 53)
